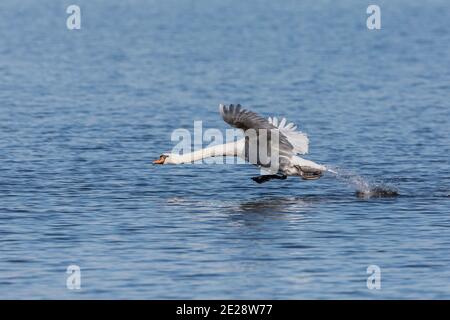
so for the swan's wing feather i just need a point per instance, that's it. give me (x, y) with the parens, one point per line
(244, 119)
(298, 139)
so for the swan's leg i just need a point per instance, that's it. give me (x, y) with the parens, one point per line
(265, 178)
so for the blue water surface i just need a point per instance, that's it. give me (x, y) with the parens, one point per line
(84, 112)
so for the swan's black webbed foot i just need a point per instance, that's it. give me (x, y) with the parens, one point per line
(308, 173)
(262, 179)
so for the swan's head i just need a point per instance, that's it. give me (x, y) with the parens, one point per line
(163, 159)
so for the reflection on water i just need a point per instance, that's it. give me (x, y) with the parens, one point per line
(263, 206)
(274, 205)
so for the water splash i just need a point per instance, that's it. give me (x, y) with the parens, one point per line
(365, 187)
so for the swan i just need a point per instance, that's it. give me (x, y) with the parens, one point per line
(282, 139)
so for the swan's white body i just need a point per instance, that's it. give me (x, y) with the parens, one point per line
(234, 149)
(290, 142)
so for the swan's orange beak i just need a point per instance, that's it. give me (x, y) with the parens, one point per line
(161, 159)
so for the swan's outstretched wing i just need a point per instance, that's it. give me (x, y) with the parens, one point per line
(244, 119)
(298, 139)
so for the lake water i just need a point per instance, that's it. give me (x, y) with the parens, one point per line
(84, 112)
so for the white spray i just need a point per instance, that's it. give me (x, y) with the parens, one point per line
(365, 187)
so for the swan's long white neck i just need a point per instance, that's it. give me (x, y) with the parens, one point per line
(227, 149)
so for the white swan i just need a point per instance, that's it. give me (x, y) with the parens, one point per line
(281, 138)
